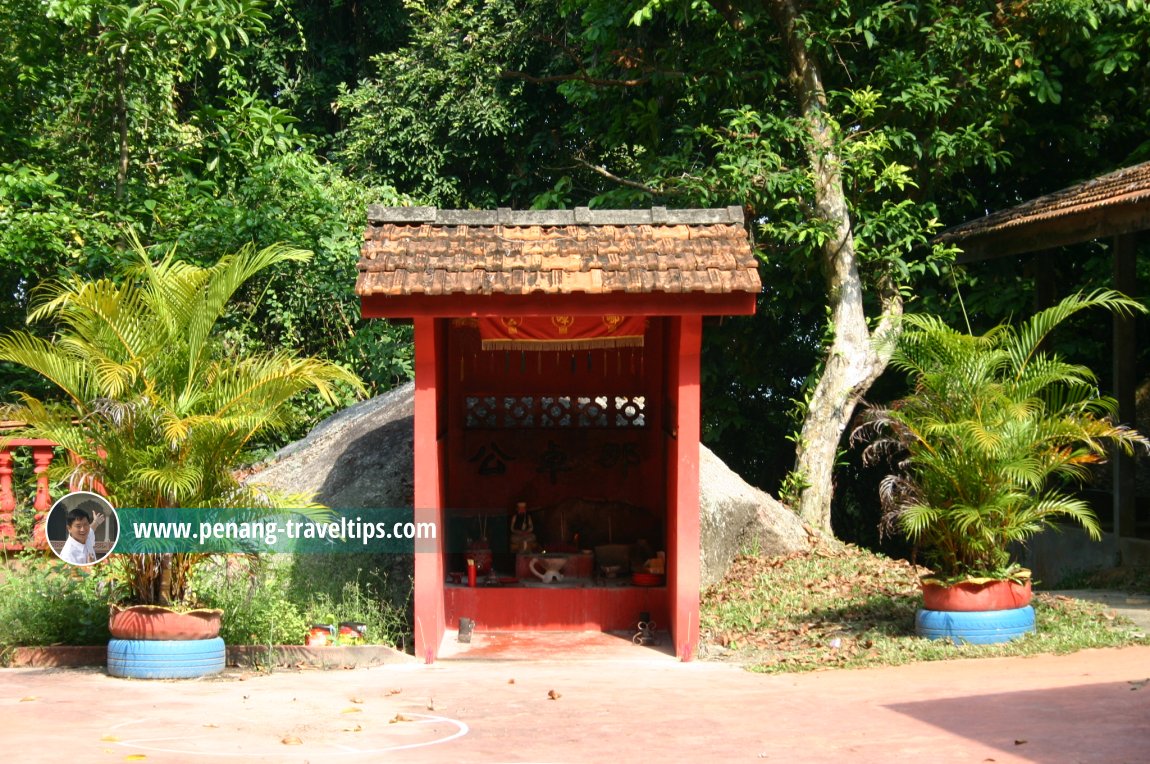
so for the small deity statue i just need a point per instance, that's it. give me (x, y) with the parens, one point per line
(522, 531)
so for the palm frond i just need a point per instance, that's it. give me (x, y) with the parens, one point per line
(66, 371)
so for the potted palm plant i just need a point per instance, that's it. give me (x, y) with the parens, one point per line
(158, 411)
(986, 446)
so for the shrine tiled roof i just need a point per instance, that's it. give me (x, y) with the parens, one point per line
(427, 251)
(1107, 205)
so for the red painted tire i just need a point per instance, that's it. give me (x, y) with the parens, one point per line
(161, 624)
(968, 597)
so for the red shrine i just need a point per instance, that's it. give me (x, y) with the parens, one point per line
(557, 407)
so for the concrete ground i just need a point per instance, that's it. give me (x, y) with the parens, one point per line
(612, 703)
(1136, 607)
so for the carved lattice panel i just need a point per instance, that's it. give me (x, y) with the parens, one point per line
(510, 412)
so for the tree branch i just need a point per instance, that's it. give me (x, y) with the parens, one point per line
(582, 77)
(599, 169)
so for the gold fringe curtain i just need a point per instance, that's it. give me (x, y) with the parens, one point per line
(562, 332)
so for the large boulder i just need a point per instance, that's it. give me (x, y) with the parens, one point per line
(362, 457)
(735, 517)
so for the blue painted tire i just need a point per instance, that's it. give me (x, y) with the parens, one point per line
(977, 628)
(165, 659)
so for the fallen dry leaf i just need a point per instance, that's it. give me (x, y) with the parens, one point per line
(28, 698)
(356, 728)
(355, 699)
(110, 739)
(351, 710)
(291, 740)
(553, 695)
(135, 757)
(1020, 742)
(394, 691)
(400, 718)
(510, 681)
(431, 704)
(212, 726)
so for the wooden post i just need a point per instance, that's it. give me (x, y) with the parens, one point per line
(1125, 383)
(684, 567)
(429, 573)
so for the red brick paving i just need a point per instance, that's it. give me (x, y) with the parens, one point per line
(1091, 706)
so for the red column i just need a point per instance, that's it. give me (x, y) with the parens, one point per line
(41, 459)
(683, 526)
(429, 573)
(8, 538)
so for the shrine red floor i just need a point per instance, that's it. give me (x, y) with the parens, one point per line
(1091, 706)
(556, 645)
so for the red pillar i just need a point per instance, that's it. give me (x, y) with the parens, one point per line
(683, 471)
(429, 572)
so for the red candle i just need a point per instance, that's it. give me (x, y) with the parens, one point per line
(471, 573)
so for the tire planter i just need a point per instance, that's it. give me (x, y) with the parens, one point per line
(150, 642)
(975, 628)
(978, 595)
(165, 659)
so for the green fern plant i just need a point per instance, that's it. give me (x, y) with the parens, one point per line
(992, 435)
(156, 408)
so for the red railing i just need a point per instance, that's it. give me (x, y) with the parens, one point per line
(42, 453)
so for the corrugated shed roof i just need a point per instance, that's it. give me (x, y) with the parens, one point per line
(1101, 196)
(425, 251)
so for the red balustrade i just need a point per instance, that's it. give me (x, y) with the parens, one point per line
(42, 453)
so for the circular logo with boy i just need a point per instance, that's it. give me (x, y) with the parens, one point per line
(82, 528)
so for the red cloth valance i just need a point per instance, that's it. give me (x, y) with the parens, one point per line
(561, 332)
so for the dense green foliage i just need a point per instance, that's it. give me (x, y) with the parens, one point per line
(180, 120)
(994, 433)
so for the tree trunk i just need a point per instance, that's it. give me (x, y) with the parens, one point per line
(854, 360)
(122, 116)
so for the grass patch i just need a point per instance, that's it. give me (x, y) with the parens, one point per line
(850, 608)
